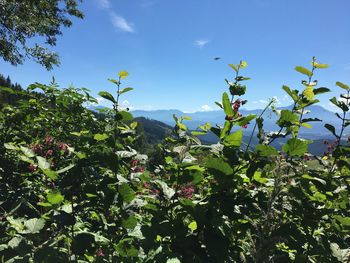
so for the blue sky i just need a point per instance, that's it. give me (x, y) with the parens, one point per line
(168, 48)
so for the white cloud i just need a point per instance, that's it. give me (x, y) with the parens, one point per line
(263, 101)
(277, 100)
(121, 23)
(100, 100)
(118, 21)
(104, 4)
(206, 108)
(201, 43)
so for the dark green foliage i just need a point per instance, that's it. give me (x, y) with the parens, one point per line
(21, 21)
(74, 189)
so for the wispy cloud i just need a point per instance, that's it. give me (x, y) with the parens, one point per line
(104, 4)
(121, 23)
(206, 107)
(201, 43)
(117, 20)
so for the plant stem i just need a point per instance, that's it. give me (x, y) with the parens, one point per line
(256, 123)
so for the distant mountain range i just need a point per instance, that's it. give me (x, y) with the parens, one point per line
(157, 124)
(318, 131)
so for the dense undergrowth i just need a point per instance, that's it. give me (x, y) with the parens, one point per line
(73, 189)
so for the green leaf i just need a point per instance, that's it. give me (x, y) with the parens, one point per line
(295, 147)
(292, 93)
(55, 197)
(130, 222)
(243, 64)
(304, 71)
(123, 74)
(51, 174)
(125, 248)
(234, 67)
(266, 150)
(245, 120)
(167, 191)
(27, 152)
(321, 90)
(15, 241)
(126, 192)
(331, 129)
(227, 105)
(342, 85)
(224, 130)
(125, 90)
(309, 93)
(196, 133)
(133, 125)
(124, 116)
(65, 169)
(287, 118)
(257, 178)
(106, 95)
(193, 226)
(34, 225)
(234, 139)
(173, 260)
(43, 163)
(219, 165)
(100, 137)
(319, 65)
(10, 146)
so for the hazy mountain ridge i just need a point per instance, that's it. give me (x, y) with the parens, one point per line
(270, 118)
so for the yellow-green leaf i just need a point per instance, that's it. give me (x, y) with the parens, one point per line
(309, 93)
(193, 226)
(123, 74)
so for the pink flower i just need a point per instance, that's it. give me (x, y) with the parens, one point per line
(48, 140)
(187, 191)
(32, 167)
(63, 146)
(99, 253)
(134, 163)
(139, 169)
(49, 153)
(245, 126)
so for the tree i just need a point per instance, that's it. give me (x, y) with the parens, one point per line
(34, 19)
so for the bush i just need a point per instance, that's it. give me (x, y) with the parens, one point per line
(72, 188)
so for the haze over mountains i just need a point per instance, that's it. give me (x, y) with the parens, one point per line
(217, 118)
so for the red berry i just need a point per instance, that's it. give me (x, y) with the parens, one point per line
(245, 126)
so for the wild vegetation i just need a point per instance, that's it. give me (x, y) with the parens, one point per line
(74, 189)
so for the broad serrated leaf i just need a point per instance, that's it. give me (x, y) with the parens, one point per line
(34, 225)
(55, 197)
(130, 222)
(295, 147)
(234, 139)
(266, 150)
(126, 192)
